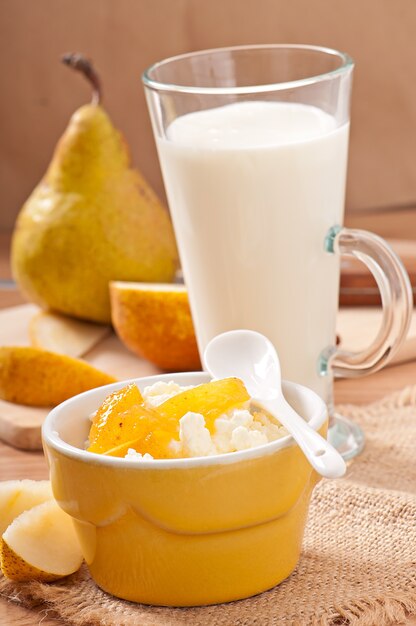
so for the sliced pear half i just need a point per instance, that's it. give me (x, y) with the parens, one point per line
(17, 496)
(41, 544)
(154, 321)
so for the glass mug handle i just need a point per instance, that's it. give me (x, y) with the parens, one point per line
(396, 296)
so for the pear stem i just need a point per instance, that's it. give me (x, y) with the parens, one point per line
(80, 63)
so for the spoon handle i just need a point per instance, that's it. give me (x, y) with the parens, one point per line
(320, 453)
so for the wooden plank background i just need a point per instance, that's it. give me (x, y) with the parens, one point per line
(123, 37)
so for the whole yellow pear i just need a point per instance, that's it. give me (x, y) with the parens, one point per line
(90, 220)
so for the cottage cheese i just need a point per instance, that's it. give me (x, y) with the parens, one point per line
(133, 455)
(237, 430)
(158, 393)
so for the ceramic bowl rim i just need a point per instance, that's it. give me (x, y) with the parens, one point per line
(51, 437)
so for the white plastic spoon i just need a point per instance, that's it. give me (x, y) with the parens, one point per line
(250, 356)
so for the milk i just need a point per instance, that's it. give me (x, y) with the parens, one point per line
(253, 189)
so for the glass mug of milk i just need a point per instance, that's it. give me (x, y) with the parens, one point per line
(253, 145)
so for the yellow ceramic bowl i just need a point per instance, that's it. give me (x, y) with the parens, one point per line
(183, 532)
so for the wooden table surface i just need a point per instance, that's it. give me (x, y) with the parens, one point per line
(17, 464)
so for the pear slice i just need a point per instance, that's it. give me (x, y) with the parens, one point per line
(59, 333)
(41, 544)
(154, 321)
(17, 496)
(41, 378)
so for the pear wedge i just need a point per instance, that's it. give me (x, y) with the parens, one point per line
(17, 496)
(62, 334)
(40, 378)
(41, 544)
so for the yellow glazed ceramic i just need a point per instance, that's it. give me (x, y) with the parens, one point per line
(183, 532)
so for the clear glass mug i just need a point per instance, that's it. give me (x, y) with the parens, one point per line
(253, 145)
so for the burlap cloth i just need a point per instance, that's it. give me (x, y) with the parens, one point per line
(358, 564)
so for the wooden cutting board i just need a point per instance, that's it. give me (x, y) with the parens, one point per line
(20, 425)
